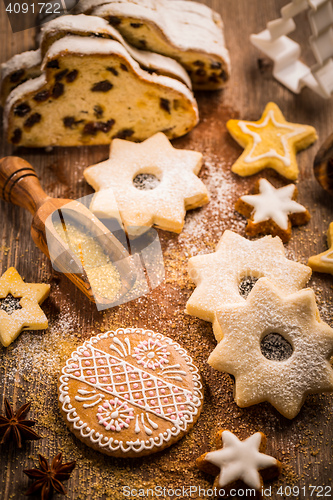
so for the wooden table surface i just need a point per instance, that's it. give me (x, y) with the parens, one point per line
(29, 368)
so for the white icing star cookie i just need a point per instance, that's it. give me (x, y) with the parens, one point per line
(150, 183)
(227, 275)
(270, 142)
(239, 460)
(130, 392)
(323, 262)
(277, 348)
(19, 306)
(272, 211)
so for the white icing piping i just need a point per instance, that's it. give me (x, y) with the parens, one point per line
(257, 139)
(327, 258)
(118, 342)
(136, 446)
(141, 380)
(117, 350)
(127, 342)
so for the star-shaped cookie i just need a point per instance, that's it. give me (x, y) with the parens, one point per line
(236, 460)
(19, 306)
(150, 183)
(276, 347)
(227, 275)
(270, 142)
(323, 262)
(272, 211)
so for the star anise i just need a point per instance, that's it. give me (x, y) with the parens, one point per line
(49, 478)
(14, 426)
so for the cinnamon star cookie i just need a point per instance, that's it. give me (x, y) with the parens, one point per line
(272, 211)
(237, 463)
(130, 392)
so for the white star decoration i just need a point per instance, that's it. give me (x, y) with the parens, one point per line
(164, 203)
(240, 460)
(272, 203)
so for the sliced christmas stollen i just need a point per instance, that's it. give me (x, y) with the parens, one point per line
(83, 25)
(27, 65)
(17, 70)
(92, 90)
(187, 31)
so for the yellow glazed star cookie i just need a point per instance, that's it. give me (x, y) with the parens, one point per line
(237, 463)
(323, 262)
(150, 183)
(276, 347)
(227, 275)
(19, 306)
(270, 142)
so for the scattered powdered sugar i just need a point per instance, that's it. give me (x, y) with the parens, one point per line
(10, 304)
(207, 222)
(36, 350)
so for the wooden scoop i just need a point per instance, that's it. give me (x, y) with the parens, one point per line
(19, 185)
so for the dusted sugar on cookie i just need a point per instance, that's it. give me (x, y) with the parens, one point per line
(239, 463)
(277, 348)
(189, 32)
(323, 262)
(270, 142)
(130, 393)
(19, 306)
(228, 275)
(152, 183)
(92, 91)
(272, 211)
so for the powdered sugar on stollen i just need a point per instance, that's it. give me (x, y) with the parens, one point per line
(96, 25)
(21, 61)
(186, 30)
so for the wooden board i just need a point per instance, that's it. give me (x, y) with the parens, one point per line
(29, 368)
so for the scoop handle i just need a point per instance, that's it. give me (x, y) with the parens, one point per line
(19, 184)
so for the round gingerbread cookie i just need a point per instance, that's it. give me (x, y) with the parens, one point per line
(130, 392)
